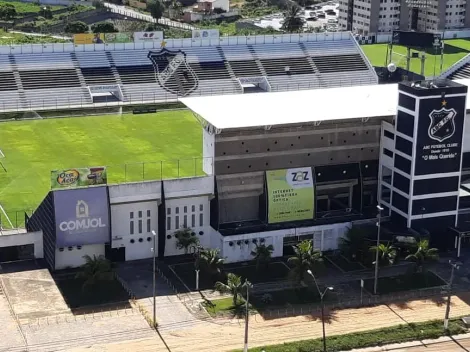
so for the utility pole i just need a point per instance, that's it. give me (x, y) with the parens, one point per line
(154, 250)
(247, 314)
(376, 276)
(455, 266)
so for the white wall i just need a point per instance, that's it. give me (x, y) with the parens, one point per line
(325, 237)
(20, 238)
(72, 257)
(135, 192)
(176, 43)
(131, 227)
(221, 4)
(208, 152)
(197, 209)
(466, 136)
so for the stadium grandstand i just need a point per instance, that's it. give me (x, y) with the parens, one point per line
(459, 70)
(49, 79)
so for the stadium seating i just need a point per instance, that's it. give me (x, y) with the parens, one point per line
(461, 73)
(55, 79)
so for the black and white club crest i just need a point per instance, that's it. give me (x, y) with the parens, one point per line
(172, 71)
(442, 124)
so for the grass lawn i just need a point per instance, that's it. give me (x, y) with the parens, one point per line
(414, 281)
(224, 306)
(8, 38)
(22, 7)
(343, 264)
(33, 148)
(380, 337)
(109, 292)
(455, 49)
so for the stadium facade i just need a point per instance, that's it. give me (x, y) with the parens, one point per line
(284, 171)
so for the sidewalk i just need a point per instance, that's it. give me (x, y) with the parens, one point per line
(227, 335)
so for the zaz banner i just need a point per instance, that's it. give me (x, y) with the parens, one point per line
(290, 195)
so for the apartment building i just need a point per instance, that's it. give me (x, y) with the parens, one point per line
(368, 17)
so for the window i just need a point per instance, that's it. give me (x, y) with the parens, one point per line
(168, 223)
(131, 215)
(148, 225)
(201, 219)
(148, 213)
(193, 208)
(177, 210)
(185, 221)
(131, 227)
(140, 226)
(185, 209)
(168, 211)
(201, 207)
(140, 213)
(177, 222)
(193, 220)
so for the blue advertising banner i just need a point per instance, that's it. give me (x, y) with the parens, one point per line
(82, 216)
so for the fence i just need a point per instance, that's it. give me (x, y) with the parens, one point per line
(13, 219)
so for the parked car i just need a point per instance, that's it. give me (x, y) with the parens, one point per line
(321, 15)
(311, 19)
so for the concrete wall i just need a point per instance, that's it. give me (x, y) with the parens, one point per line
(21, 238)
(72, 257)
(135, 192)
(325, 237)
(60, 2)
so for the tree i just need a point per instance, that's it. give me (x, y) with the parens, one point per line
(387, 254)
(95, 271)
(76, 27)
(7, 11)
(46, 12)
(184, 240)
(292, 20)
(156, 8)
(129, 26)
(305, 258)
(98, 4)
(103, 27)
(175, 9)
(212, 261)
(262, 254)
(234, 286)
(423, 255)
(352, 244)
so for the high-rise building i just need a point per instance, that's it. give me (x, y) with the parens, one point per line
(367, 17)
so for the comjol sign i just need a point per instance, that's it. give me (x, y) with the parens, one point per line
(82, 216)
(290, 195)
(79, 177)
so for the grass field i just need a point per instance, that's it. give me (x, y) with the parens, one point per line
(8, 38)
(455, 49)
(33, 148)
(22, 7)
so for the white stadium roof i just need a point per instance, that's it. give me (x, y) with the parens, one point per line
(280, 108)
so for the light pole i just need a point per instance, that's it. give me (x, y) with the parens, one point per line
(248, 286)
(322, 294)
(154, 250)
(376, 276)
(197, 255)
(454, 267)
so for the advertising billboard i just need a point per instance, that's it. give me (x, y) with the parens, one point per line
(205, 33)
(121, 37)
(440, 134)
(79, 177)
(88, 38)
(81, 216)
(148, 36)
(290, 195)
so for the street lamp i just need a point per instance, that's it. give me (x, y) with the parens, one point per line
(322, 294)
(248, 286)
(154, 250)
(376, 277)
(454, 267)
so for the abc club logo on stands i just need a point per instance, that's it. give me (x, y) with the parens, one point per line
(83, 221)
(442, 125)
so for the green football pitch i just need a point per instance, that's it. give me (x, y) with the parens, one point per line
(134, 147)
(454, 50)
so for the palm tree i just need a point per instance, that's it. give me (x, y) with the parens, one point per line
(387, 254)
(352, 244)
(185, 240)
(95, 271)
(234, 286)
(423, 255)
(262, 254)
(292, 20)
(305, 258)
(212, 261)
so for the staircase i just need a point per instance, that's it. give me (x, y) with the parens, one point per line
(461, 73)
(83, 83)
(229, 68)
(116, 75)
(314, 67)
(257, 60)
(19, 83)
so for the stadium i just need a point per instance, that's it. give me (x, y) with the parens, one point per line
(296, 140)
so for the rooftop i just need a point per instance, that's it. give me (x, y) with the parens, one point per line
(296, 107)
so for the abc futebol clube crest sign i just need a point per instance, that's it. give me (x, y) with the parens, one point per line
(441, 128)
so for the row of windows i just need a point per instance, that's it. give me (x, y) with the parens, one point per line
(185, 209)
(184, 223)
